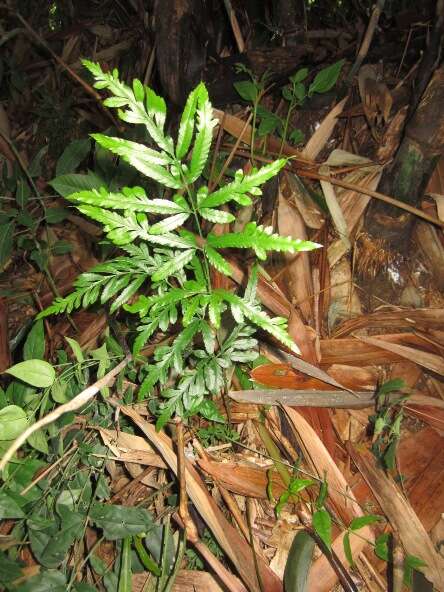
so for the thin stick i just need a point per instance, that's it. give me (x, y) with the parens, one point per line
(375, 194)
(190, 527)
(235, 26)
(363, 50)
(231, 155)
(228, 499)
(78, 401)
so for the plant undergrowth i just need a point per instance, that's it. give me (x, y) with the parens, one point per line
(161, 230)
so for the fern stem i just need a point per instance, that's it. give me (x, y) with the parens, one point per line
(199, 230)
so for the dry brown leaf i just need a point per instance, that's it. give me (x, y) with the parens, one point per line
(321, 136)
(233, 544)
(427, 360)
(398, 318)
(298, 270)
(308, 209)
(403, 519)
(354, 352)
(243, 480)
(131, 448)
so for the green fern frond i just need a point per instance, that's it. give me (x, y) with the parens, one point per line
(204, 136)
(186, 127)
(131, 199)
(145, 160)
(217, 261)
(260, 239)
(241, 185)
(135, 111)
(216, 216)
(275, 326)
(175, 264)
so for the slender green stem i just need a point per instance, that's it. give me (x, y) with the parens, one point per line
(199, 230)
(287, 121)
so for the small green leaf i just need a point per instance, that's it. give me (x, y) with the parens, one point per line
(34, 347)
(34, 372)
(72, 156)
(173, 266)
(322, 526)
(396, 384)
(347, 549)
(9, 507)
(247, 90)
(326, 78)
(71, 183)
(362, 521)
(118, 522)
(39, 441)
(298, 564)
(209, 410)
(76, 349)
(22, 194)
(381, 546)
(323, 492)
(300, 75)
(13, 421)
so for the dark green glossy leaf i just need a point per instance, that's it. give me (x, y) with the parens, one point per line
(34, 347)
(118, 522)
(72, 156)
(326, 78)
(247, 90)
(362, 521)
(347, 549)
(322, 526)
(298, 563)
(9, 507)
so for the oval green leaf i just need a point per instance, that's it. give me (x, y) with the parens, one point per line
(322, 526)
(13, 421)
(34, 372)
(298, 563)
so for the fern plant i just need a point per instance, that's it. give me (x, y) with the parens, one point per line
(168, 256)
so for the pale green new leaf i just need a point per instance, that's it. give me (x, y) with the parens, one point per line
(173, 266)
(186, 127)
(217, 261)
(204, 136)
(216, 216)
(169, 224)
